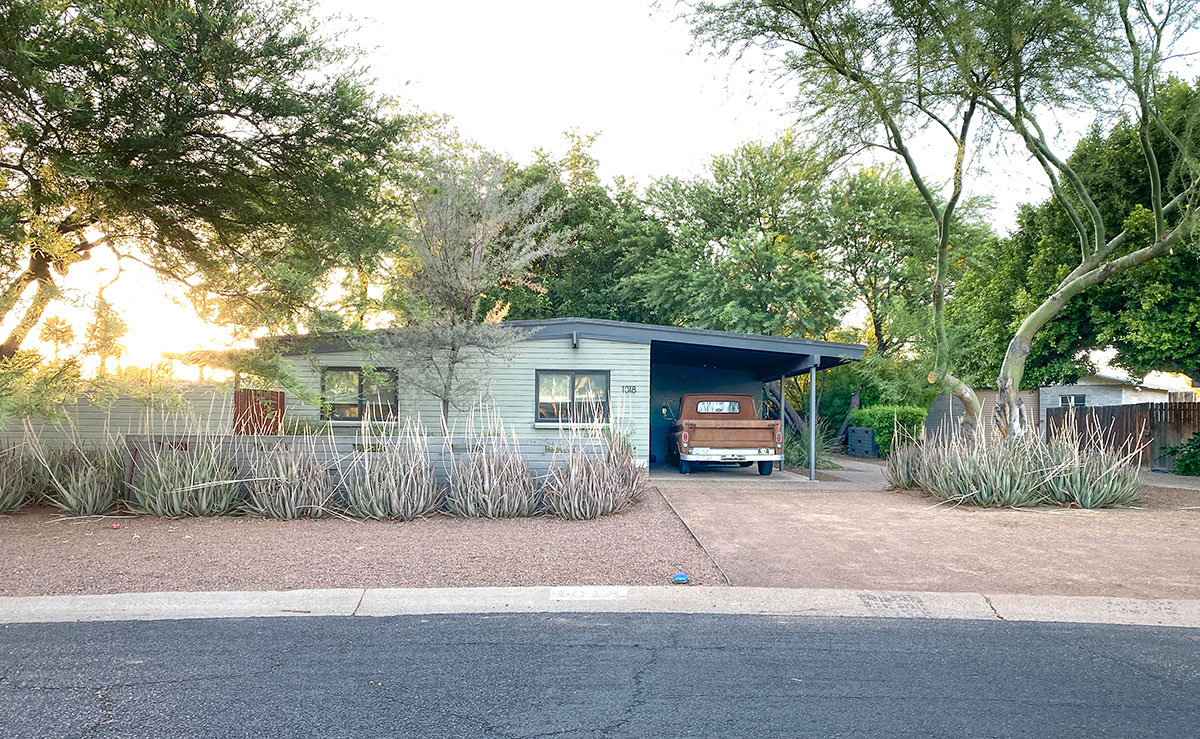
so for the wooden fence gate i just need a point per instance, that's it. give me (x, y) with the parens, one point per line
(1157, 425)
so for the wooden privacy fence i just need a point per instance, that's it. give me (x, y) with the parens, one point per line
(342, 453)
(1157, 425)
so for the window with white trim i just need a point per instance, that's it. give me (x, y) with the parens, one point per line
(1072, 401)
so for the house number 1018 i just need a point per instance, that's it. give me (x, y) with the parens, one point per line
(629, 389)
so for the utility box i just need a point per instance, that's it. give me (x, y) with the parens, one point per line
(861, 443)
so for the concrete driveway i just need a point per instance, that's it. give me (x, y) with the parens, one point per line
(847, 531)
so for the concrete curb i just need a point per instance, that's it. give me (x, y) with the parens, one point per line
(593, 599)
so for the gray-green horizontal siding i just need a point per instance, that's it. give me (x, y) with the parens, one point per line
(508, 386)
(205, 408)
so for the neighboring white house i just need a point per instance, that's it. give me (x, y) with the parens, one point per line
(1098, 390)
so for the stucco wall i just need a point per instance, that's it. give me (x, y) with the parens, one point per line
(668, 382)
(507, 386)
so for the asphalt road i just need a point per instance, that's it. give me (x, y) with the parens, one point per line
(575, 675)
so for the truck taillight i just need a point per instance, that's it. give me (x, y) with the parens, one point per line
(778, 437)
(685, 437)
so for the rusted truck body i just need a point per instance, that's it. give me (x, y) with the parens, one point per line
(722, 428)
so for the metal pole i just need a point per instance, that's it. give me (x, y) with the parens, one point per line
(812, 419)
(782, 421)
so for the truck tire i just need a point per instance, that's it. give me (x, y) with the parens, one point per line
(766, 468)
(685, 467)
(744, 464)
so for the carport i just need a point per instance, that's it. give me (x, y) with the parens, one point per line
(689, 360)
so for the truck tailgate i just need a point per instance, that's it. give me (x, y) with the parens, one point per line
(732, 434)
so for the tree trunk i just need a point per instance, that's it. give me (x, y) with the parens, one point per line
(1010, 410)
(855, 402)
(790, 417)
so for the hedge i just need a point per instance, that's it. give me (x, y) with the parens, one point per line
(883, 418)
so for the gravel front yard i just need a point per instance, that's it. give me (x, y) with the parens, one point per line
(43, 555)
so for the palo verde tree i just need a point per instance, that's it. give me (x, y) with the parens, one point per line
(1042, 59)
(225, 144)
(472, 228)
(1016, 66)
(866, 80)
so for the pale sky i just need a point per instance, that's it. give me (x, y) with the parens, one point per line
(514, 76)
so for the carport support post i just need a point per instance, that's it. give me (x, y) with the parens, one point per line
(782, 420)
(812, 419)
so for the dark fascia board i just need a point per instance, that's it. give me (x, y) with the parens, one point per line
(597, 328)
(644, 333)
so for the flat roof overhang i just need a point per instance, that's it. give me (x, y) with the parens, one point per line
(767, 357)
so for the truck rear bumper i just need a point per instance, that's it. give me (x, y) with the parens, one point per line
(730, 455)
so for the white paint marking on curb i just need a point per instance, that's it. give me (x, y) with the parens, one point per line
(590, 592)
(781, 602)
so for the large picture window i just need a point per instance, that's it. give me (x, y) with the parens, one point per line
(572, 396)
(355, 393)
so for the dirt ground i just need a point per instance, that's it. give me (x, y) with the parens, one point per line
(45, 555)
(847, 531)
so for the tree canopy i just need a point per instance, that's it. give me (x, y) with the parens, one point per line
(227, 145)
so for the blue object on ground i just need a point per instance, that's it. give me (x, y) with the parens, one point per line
(681, 578)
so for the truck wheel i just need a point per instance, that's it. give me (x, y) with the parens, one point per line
(744, 464)
(685, 467)
(766, 468)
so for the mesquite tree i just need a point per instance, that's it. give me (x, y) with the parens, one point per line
(227, 145)
(473, 228)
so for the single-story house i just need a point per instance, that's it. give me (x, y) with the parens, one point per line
(1088, 391)
(625, 371)
(1098, 390)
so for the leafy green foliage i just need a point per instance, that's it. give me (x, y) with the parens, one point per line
(226, 144)
(1187, 456)
(886, 419)
(747, 241)
(795, 446)
(1148, 314)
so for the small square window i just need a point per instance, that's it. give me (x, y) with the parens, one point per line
(1072, 401)
(356, 393)
(564, 396)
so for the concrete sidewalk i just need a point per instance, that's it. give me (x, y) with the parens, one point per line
(600, 599)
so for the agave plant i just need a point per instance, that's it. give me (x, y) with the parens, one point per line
(86, 480)
(291, 482)
(588, 484)
(22, 477)
(196, 479)
(491, 480)
(391, 477)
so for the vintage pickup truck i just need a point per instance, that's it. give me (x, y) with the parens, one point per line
(719, 428)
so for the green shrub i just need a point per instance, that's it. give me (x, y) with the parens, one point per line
(589, 485)
(884, 419)
(199, 480)
(1187, 456)
(795, 445)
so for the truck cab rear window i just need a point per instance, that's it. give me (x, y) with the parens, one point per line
(719, 406)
